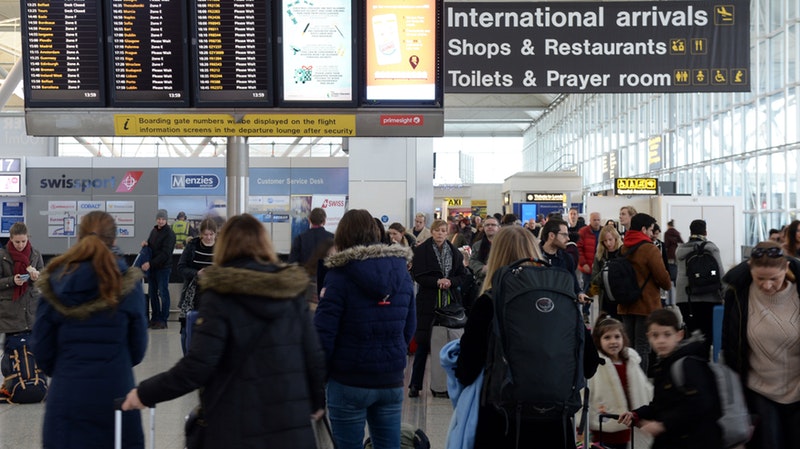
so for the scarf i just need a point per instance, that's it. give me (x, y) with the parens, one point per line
(22, 260)
(445, 258)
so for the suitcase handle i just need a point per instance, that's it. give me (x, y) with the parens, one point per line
(608, 416)
(118, 424)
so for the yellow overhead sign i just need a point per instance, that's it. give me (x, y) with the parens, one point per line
(454, 201)
(272, 125)
(636, 186)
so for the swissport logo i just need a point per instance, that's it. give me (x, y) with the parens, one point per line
(195, 181)
(129, 181)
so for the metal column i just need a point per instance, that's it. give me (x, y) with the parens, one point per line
(237, 173)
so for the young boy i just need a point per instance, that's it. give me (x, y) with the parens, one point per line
(682, 417)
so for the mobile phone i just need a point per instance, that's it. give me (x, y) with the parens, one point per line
(24, 277)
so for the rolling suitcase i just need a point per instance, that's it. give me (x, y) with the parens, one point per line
(118, 424)
(440, 336)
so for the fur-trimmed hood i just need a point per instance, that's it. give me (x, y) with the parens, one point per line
(375, 269)
(362, 252)
(263, 288)
(75, 294)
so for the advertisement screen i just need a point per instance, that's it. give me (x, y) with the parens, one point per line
(317, 51)
(401, 49)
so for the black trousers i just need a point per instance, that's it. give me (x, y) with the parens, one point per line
(700, 316)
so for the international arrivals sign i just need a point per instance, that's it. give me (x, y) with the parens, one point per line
(582, 47)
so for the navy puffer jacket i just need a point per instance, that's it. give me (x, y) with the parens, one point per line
(366, 315)
(89, 349)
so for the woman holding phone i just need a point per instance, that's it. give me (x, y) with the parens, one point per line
(19, 269)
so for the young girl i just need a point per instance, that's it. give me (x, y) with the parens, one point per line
(618, 386)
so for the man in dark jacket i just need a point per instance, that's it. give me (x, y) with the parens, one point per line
(554, 237)
(305, 245)
(161, 243)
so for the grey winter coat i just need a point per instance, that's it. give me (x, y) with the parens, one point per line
(681, 253)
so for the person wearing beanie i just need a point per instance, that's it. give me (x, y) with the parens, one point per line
(161, 243)
(697, 309)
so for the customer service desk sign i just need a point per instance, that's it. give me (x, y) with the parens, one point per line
(530, 47)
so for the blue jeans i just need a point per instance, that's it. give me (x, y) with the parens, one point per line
(158, 286)
(350, 407)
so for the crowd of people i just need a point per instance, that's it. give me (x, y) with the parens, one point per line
(279, 346)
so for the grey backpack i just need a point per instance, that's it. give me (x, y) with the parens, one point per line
(735, 419)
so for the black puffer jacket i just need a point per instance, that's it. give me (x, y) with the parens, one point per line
(276, 385)
(689, 414)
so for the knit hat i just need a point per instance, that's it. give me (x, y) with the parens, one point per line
(181, 214)
(162, 213)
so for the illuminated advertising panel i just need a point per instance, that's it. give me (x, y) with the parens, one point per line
(317, 52)
(402, 57)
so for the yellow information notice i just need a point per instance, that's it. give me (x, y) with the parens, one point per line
(255, 125)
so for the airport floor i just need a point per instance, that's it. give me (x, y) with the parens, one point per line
(21, 425)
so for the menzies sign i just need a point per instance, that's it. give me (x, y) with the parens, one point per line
(569, 47)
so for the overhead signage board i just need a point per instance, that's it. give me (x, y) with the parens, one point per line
(287, 125)
(545, 198)
(318, 52)
(580, 47)
(402, 63)
(232, 47)
(636, 186)
(63, 51)
(148, 53)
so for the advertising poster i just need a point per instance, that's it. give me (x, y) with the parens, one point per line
(270, 209)
(301, 207)
(317, 51)
(334, 206)
(12, 212)
(401, 50)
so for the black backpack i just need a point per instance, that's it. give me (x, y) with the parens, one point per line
(702, 271)
(535, 360)
(619, 279)
(24, 382)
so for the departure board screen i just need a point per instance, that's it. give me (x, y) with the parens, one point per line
(148, 53)
(231, 43)
(62, 45)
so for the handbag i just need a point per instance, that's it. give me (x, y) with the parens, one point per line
(187, 303)
(194, 428)
(449, 314)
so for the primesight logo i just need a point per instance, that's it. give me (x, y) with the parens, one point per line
(195, 181)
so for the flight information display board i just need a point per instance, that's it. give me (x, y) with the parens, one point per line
(148, 52)
(63, 50)
(231, 42)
